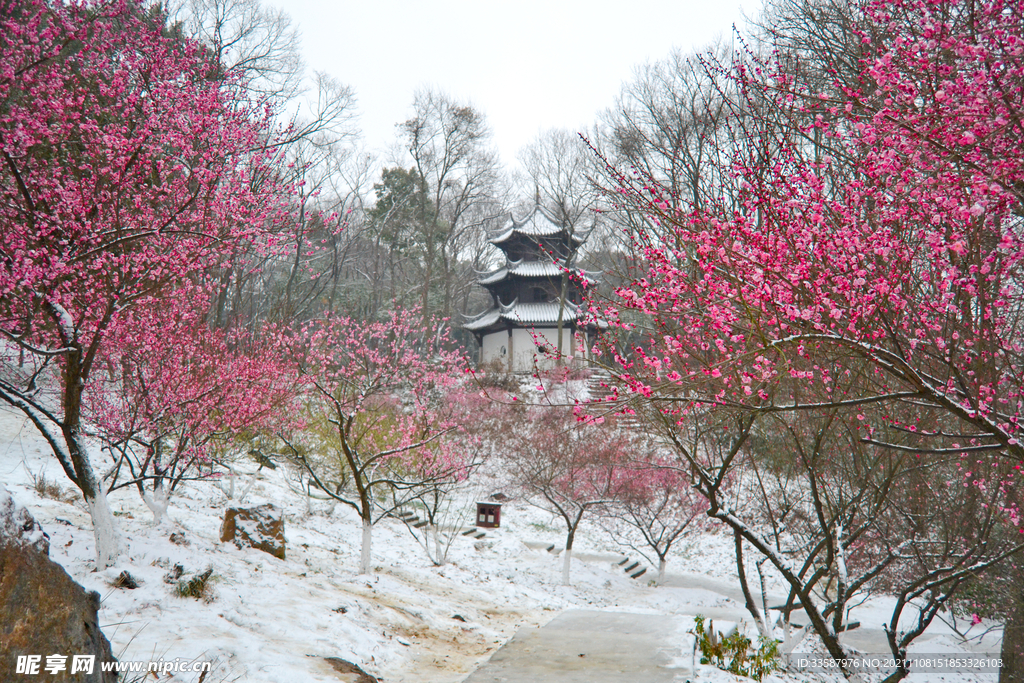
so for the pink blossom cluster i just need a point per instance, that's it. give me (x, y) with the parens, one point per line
(870, 229)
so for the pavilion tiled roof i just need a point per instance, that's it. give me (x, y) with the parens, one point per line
(525, 269)
(538, 223)
(526, 314)
(484, 320)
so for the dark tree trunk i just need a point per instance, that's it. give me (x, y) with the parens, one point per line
(1013, 633)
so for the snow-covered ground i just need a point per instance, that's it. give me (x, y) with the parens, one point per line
(277, 620)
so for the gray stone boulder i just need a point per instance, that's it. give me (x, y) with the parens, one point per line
(43, 611)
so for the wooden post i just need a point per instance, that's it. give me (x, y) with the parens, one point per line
(511, 352)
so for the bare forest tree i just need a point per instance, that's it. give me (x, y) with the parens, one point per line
(248, 40)
(259, 48)
(454, 190)
(562, 170)
(669, 122)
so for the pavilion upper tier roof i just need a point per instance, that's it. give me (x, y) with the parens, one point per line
(538, 223)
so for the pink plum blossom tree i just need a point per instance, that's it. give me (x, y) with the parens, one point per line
(863, 268)
(381, 394)
(171, 392)
(569, 467)
(126, 166)
(658, 502)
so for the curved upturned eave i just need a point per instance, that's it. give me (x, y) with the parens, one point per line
(525, 315)
(530, 227)
(528, 270)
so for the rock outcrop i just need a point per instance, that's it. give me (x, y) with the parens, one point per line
(349, 672)
(43, 611)
(260, 527)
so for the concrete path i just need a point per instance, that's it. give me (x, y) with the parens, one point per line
(621, 646)
(866, 638)
(589, 646)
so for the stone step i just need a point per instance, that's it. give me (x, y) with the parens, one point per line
(632, 567)
(448, 532)
(543, 545)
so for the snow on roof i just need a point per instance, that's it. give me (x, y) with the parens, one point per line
(485, 319)
(538, 223)
(494, 276)
(541, 313)
(529, 314)
(537, 269)
(527, 269)
(547, 269)
(523, 269)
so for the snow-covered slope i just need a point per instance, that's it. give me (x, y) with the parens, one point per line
(274, 620)
(277, 620)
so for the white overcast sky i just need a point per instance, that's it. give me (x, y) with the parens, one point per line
(528, 65)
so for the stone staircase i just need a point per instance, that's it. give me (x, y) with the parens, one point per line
(631, 567)
(416, 522)
(601, 385)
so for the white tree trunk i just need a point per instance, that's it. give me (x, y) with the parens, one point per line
(769, 627)
(364, 559)
(108, 540)
(565, 566)
(439, 551)
(230, 490)
(157, 502)
(108, 545)
(661, 570)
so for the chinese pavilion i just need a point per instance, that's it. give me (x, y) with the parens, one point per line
(520, 329)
